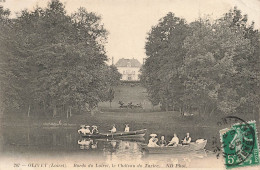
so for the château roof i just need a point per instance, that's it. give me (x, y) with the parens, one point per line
(128, 63)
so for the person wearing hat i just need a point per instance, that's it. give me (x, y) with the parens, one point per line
(127, 129)
(153, 141)
(81, 130)
(94, 130)
(187, 139)
(87, 130)
(175, 140)
(113, 130)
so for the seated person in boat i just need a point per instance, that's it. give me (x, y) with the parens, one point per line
(113, 130)
(187, 139)
(81, 130)
(153, 141)
(94, 130)
(127, 129)
(175, 140)
(86, 130)
(162, 142)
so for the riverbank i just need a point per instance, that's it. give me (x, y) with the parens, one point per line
(106, 119)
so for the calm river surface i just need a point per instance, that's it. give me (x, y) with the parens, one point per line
(29, 145)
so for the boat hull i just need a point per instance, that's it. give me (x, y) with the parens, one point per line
(177, 149)
(131, 134)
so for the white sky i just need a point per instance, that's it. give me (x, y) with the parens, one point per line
(128, 21)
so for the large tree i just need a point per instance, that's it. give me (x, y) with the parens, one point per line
(220, 65)
(160, 73)
(59, 58)
(209, 66)
(206, 66)
(247, 64)
(9, 91)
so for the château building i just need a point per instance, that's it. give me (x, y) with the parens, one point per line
(129, 68)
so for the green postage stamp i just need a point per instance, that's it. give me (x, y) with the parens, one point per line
(240, 145)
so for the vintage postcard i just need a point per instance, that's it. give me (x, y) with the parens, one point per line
(129, 84)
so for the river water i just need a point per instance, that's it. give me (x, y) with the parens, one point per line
(30, 146)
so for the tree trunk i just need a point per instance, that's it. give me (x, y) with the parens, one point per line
(44, 107)
(205, 110)
(70, 112)
(166, 105)
(200, 110)
(253, 112)
(54, 111)
(92, 112)
(28, 137)
(1, 112)
(54, 139)
(259, 113)
(181, 111)
(29, 109)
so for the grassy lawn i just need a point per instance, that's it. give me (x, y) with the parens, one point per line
(128, 93)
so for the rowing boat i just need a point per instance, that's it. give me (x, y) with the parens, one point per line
(130, 134)
(193, 146)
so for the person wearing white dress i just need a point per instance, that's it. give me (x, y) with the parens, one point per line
(81, 130)
(113, 130)
(153, 141)
(175, 140)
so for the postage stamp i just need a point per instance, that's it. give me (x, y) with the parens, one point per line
(240, 145)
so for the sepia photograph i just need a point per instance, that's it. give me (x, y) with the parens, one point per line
(129, 84)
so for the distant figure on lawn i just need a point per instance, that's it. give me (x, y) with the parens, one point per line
(175, 140)
(94, 130)
(162, 142)
(113, 130)
(187, 139)
(153, 141)
(127, 129)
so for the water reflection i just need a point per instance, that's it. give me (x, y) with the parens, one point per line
(119, 150)
(87, 144)
(49, 141)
